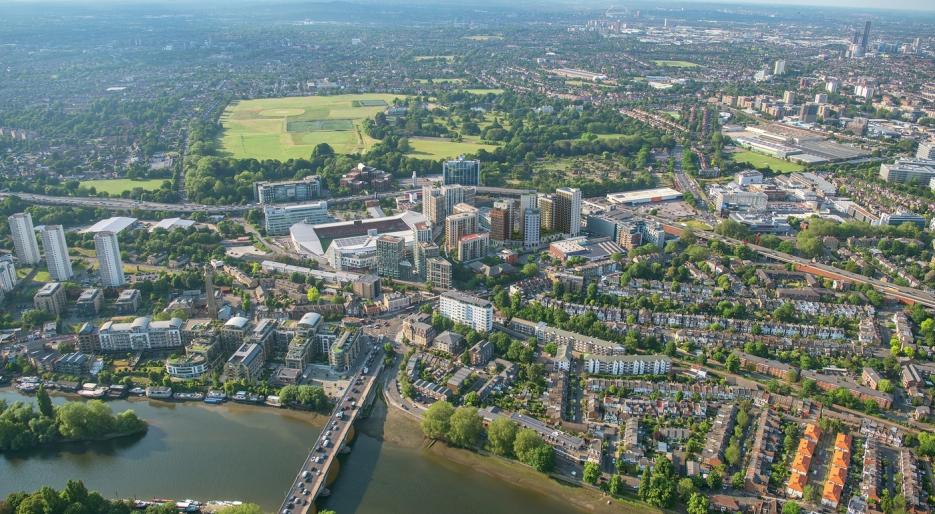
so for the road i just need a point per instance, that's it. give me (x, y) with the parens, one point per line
(309, 482)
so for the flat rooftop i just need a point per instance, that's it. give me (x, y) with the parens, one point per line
(659, 194)
(115, 224)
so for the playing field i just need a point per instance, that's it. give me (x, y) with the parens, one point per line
(288, 128)
(119, 185)
(442, 148)
(484, 91)
(674, 64)
(758, 160)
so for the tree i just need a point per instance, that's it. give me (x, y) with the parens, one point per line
(615, 485)
(501, 435)
(715, 480)
(313, 295)
(531, 450)
(437, 420)
(732, 363)
(810, 493)
(698, 504)
(685, 488)
(591, 472)
(659, 488)
(732, 454)
(791, 507)
(465, 427)
(736, 480)
(45, 403)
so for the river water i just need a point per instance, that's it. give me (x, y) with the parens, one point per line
(234, 452)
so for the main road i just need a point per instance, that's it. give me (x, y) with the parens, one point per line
(309, 482)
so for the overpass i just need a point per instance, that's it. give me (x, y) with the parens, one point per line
(907, 295)
(313, 474)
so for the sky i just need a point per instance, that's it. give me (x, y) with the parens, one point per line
(915, 5)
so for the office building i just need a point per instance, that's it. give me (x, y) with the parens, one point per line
(779, 68)
(90, 302)
(905, 171)
(567, 211)
(25, 245)
(473, 246)
(457, 226)
(898, 218)
(461, 171)
(344, 350)
(56, 252)
(280, 219)
(501, 226)
(50, 298)
(464, 309)
(627, 364)
(926, 150)
(245, 364)
(531, 221)
(433, 205)
(141, 334)
(546, 206)
(8, 276)
(391, 251)
(438, 272)
(422, 232)
(109, 260)
(302, 190)
(808, 113)
(128, 302)
(367, 287)
(421, 252)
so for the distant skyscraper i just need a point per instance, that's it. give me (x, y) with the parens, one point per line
(808, 113)
(566, 215)
(24, 238)
(788, 98)
(780, 67)
(56, 252)
(832, 86)
(108, 257)
(461, 171)
(865, 40)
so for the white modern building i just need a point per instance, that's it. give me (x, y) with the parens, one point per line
(926, 150)
(531, 227)
(141, 334)
(109, 260)
(7, 273)
(279, 219)
(25, 245)
(56, 252)
(464, 309)
(627, 364)
(566, 210)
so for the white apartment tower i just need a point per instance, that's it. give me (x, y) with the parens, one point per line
(24, 238)
(108, 257)
(531, 228)
(566, 210)
(56, 252)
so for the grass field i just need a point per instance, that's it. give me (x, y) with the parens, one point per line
(484, 91)
(119, 185)
(674, 64)
(287, 128)
(442, 148)
(758, 160)
(448, 58)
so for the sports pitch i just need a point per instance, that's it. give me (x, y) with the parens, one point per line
(288, 128)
